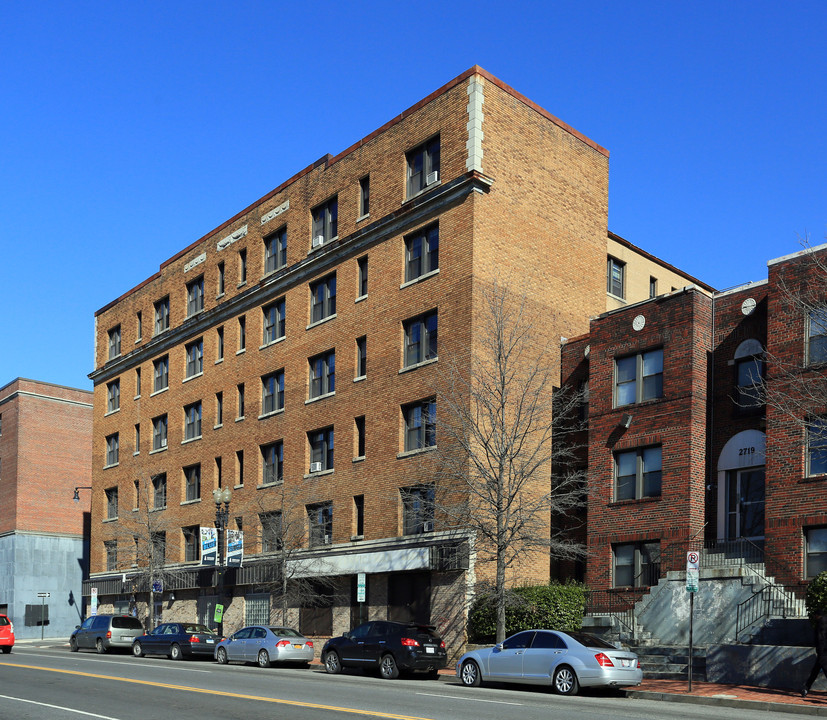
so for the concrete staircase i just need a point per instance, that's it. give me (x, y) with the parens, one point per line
(670, 662)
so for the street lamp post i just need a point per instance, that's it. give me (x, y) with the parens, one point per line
(222, 516)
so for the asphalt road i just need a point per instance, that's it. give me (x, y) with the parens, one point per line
(39, 683)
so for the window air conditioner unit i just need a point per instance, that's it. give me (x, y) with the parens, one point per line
(318, 240)
(327, 539)
(428, 526)
(432, 177)
(315, 467)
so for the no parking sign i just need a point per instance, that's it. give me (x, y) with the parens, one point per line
(693, 560)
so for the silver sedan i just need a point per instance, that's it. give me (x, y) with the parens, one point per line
(565, 660)
(265, 644)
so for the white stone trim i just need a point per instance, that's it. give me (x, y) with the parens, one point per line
(476, 97)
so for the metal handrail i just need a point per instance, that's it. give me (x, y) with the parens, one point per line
(761, 604)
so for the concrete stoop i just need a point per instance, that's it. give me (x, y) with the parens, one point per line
(661, 662)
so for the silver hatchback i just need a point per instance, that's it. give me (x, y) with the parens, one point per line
(566, 661)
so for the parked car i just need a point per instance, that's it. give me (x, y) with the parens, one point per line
(390, 647)
(106, 632)
(177, 641)
(6, 634)
(265, 644)
(565, 660)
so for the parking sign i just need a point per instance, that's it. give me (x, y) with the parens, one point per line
(693, 561)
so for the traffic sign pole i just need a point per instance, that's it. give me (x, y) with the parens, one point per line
(692, 572)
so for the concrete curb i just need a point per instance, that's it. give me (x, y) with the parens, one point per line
(755, 705)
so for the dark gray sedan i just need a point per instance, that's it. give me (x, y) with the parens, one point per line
(177, 641)
(566, 661)
(265, 644)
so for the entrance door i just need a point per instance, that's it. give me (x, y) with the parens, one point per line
(745, 504)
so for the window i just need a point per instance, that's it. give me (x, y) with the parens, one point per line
(137, 438)
(272, 392)
(160, 372)
(275, 251)
(112, 449)
(219, 409)
(218, 482)
(320, 519)
(359, 424)
(653, 287)
(322, 374)
(242, 266)
(817, 336)
(111, 503)
(816, 551)
(113, 396)
(111, 550)
(257, 609)
(421, 339)
(270, 532)
(272, 463)
(361, 356)
(115, 342)
(364, 196)
(159, 491)
(239, 467)
(326, 222)
(192, 541)
(240, 401)
(273, 322)
(192, 421)
(162, 315)
(817, 446)
(636, 564)
(749, 373)
(363, 276)
(359, 514)
(139, 323)
(221, 279)
(638, 473)
(421, 253)
(321, 449)
(195, 296)
(159, 432)
(639, 378)
(323, 299)
(242, 333)
(159, 547)
(423, 166)
(137, 382)
(219, 344)
(192, 482)
(420, 428)
(417, 510)
(615, 277)
(195, 358)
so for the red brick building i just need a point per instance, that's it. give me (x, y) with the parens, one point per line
(45, 453)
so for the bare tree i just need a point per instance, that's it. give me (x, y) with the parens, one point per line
(503, 432)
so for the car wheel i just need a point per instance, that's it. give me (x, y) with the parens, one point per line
(470, 674)
(388, 668)
(6, 649)
(221, 656)
(100, 647)
(332, 663)
(565, 681)
(263, 659)
(73, 645)
(137, 650)
(175, 652)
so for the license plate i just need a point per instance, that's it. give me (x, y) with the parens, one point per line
(210, 641)
(429, 649)
(298, 646)
(128, 638)
(626, 663)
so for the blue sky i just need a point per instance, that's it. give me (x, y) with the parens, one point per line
(129, 130)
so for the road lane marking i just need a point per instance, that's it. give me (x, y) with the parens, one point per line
(186, 688)
(58, 707)
(470, 699)
(110, 659)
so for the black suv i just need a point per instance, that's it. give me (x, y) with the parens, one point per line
(392, 647)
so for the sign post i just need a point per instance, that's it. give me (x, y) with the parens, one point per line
(692, 571)
(361, 592)
(43, 596)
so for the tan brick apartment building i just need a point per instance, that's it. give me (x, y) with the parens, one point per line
(45, 453)
(292, 353)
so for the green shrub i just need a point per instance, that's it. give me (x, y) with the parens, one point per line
(556, 606)
(816, 599)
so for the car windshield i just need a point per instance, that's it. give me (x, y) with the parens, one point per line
(591, 641)
(198, 629)
(284, 631)
(127, 623)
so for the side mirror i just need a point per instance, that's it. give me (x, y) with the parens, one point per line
(498, 647)
(347, 636)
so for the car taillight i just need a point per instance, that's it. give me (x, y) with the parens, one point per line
(11, 628)
(309, 643)
(194, 638)
(638, 663)
(409, 642)
(603, 660)
(442, 644)
(283, 643)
